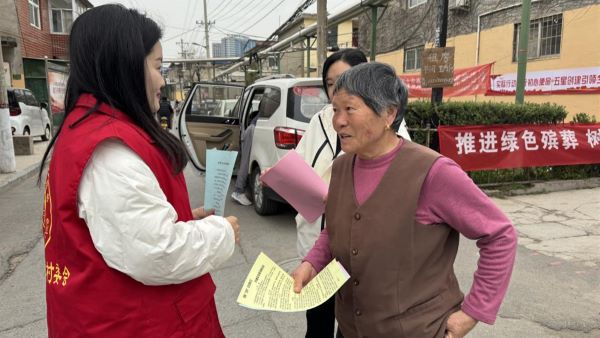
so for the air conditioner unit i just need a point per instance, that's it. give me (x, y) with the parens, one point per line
(460, 5)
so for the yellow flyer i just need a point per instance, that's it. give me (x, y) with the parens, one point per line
(269, 287)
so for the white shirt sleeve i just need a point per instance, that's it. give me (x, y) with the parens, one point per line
(403, 131)
(135, 228)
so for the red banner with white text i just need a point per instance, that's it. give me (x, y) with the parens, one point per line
(520, 146)
(467, 81)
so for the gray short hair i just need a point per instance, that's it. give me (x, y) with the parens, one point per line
(378, 86)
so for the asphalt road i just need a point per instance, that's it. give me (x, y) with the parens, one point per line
(549, 296)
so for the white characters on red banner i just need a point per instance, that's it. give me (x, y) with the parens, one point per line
(549, 139)
(488, 142)
(593, 137)
(466, 143)
(569, 139)
(530, 140)
(509, 141)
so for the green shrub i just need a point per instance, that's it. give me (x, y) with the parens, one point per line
(481, 113)
(583, 118)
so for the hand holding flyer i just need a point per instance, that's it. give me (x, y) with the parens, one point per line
(269, 287)
(299, 184)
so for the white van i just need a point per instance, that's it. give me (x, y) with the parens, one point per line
(27, 116)
(284, 107)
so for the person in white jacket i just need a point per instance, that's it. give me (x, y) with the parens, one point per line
(319, 147)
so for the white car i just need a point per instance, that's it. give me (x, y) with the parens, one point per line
(27, 116)
(224, 108)
(284, 107)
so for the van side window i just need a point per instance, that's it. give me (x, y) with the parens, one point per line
(20, 96)
(30, 99)
(269, 102)
(253, 106)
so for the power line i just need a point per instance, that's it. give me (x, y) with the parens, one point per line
(242, 11)
(187, 13)
(296, 14)
(264, 16)
(225, 31)
(225, 4)
(190, 16)
(218, 6)
(178, 35)
(246, 16)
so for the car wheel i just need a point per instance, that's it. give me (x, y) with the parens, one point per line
(47, 134)
(262, 204)
(26, 131)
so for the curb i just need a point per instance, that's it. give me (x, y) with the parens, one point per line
(547, 187)
(19, 176)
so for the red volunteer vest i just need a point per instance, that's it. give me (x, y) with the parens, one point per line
(85, 297)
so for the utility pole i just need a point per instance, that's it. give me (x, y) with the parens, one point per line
(522, 52)
(374, 10)
(307, 57)
(441, 31)
(321, 34)
(181, 71)
(7, 150)
(182, 45)
(206, 37)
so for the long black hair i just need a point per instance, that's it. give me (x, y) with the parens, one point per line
(351, 56)
(108, 48)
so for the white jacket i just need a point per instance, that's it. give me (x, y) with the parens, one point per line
(135, 228)
(318, 148)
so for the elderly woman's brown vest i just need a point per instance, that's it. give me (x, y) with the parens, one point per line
(402, 279)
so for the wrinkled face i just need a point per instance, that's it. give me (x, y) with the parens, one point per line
(153, 77)
(333, 73)
(360, 129)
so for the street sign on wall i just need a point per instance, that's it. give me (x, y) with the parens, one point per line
(437, 67)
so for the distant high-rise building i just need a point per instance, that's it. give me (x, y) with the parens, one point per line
(217, 50)
(232, 46)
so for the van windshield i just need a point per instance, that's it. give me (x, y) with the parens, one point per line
(305, 101)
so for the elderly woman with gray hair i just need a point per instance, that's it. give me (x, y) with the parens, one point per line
(394, 213)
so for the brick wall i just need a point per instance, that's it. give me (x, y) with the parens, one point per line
(39, 42)
(60, 46)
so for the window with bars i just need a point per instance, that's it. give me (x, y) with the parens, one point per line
(34, 13)
(61, 14)
(545, 36)
(412, 58)
(414, 3)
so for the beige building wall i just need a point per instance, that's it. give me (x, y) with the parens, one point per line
(345, 34)
(344, 41)
(579, 49)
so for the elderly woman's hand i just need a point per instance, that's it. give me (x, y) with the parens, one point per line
(459, 324)
(303, 274)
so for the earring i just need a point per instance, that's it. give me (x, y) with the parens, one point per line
(387, 127)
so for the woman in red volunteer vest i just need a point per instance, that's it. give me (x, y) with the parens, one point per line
(125, 254)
